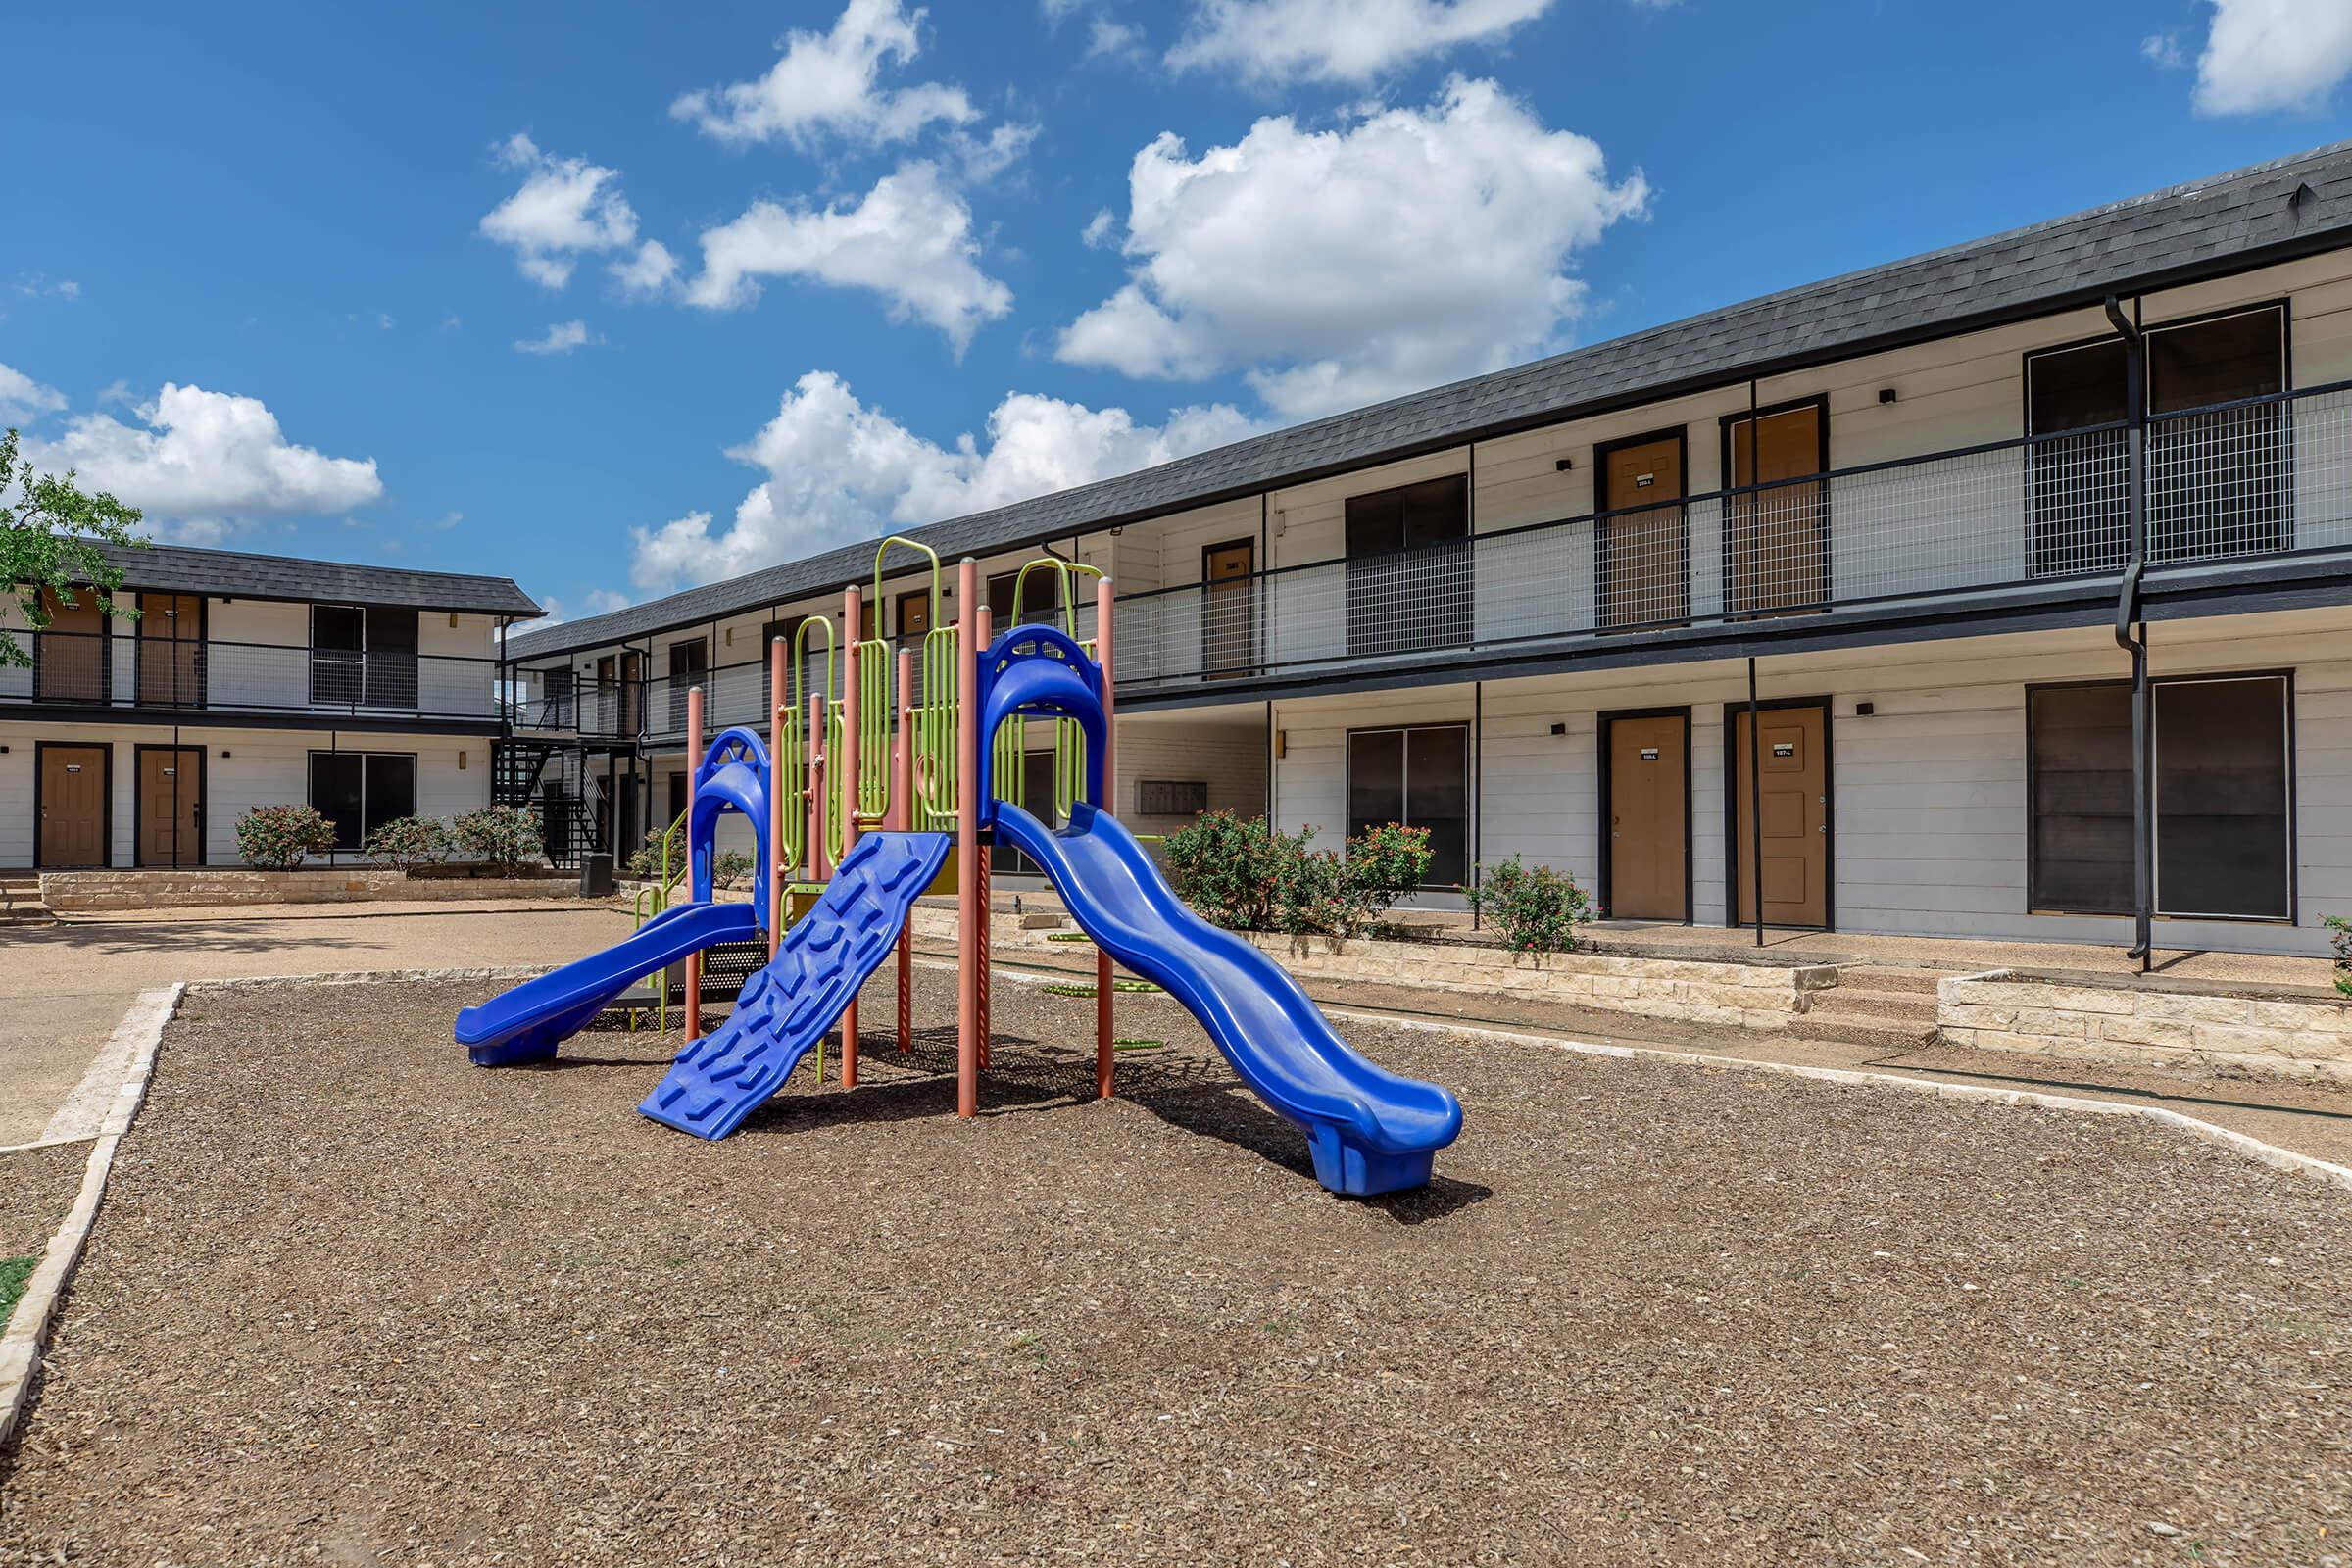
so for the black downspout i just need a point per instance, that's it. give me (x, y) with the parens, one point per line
(1756, 728)
(2126, 612)
(1478, 786)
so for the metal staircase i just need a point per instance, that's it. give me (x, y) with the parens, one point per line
(514, 769)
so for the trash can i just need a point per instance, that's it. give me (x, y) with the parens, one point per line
(596, 875)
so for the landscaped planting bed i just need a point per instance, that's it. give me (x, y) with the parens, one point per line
(352, 1299)
(37, 1186)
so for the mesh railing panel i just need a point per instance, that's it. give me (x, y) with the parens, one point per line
(2230, 483)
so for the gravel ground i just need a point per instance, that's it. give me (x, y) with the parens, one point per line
(352, 1301)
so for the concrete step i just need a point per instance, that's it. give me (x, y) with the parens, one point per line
(33, 912)
(1867, 977)
(1890, 1006)
(1889, 1035)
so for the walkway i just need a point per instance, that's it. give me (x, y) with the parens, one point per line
(63, 987)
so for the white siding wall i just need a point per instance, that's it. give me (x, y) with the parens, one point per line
(1929, 795)
(259, 767)
(1230, 758)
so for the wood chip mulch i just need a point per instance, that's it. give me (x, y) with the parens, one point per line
(352, 1301)
(37, 1186)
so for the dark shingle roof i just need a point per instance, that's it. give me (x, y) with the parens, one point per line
(2229, 222)
(182, 569)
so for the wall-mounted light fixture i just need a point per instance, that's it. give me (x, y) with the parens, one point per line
(460, 761)
(1282, 744)
(453, 621)
(1885, 394)
(225, 754)
(1559, 729)
(1563, 464)
(1865, 709)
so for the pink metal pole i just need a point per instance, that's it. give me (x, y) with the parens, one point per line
(852, 711)
(779, 708)
(901, 818)
(694, 762)
(983, 983)
(1103, 989)
(969, 649)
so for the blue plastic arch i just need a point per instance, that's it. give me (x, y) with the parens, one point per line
(1039, 670)
(733, 775)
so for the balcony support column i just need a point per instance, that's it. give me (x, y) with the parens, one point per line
(2135, 642)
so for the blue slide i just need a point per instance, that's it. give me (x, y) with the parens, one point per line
(1370, 1131)
(525, 1024)
(787, 1007)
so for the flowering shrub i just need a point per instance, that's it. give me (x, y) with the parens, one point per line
(407, 842)
(1535, 908)
(275, 838)
(1242, 875)
(509, 837)
(1228, 867)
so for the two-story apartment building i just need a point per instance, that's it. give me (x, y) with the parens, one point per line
(247, 680)
(2028, 562)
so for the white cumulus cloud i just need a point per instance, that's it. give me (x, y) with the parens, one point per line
(561, 338)
(839, 470)
(909, 239)
(831, 82)
(206, 460)
(565, 208)
(652, 270)
(1268, 42)
(1290, 254)
(2268, 54)
(22, 399)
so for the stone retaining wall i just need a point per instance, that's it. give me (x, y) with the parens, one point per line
(1690, 990)
(2084, 1018)
(99, 892)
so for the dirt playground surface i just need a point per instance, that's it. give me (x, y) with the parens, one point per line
(352, 1301)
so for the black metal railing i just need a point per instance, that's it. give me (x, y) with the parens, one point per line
(2259, 477)
(81, 669)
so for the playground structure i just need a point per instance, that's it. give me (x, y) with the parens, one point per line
(864, 799)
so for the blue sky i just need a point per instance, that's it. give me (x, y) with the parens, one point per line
(270, 272)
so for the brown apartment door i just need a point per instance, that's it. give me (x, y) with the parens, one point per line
(1777, 557)
(171, 805)
(170, 650)
(74, 784)
(1642, 542)
(1228, 608)
(1649, 818)
(70, 663)
(1795, 791)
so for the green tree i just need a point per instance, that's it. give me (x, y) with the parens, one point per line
(50, 534)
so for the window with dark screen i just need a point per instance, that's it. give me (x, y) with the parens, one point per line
(2222, 831)
(1419, 778)
(1408, 567)
(2221, 798)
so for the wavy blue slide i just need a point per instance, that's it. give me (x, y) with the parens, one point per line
(1370, 1131)
(786, 1007)
(525, 1024)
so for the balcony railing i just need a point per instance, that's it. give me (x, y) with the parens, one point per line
(102, 670)
(2261, 476)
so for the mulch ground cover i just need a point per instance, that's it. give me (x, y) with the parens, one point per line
(36, 1187)
(352, 1301)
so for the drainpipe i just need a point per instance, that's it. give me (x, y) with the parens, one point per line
(2128, 609)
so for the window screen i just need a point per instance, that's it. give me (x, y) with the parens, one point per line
(359, 791)
(1408, 567)
(1419, 778)
(2221, 798)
